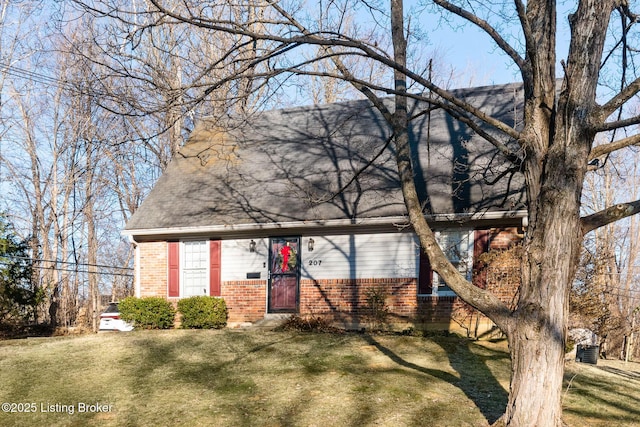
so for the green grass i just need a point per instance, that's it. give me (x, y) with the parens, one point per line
(606, 394)
(257, 378)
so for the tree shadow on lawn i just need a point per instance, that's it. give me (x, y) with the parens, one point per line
(604, 401)
(476, 379)
(630, 375)
(160, 365)
(157, 355)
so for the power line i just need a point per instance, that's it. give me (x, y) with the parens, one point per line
(14, 71)
(74, 270)
(46, 80)
(68, 262)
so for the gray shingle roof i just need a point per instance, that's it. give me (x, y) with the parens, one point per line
(287, 165)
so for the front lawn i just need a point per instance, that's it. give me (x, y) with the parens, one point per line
(257, 378)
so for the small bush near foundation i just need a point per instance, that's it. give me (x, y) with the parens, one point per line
(309, 324)
(147, 313)
(376, 310)
(426, 333)
(203, 312)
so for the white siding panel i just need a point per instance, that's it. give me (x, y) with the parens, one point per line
(360, 256)
(354, 256)
(237, 261)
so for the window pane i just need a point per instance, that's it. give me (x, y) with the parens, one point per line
(194, 268)
(456, 246)
(195, 282)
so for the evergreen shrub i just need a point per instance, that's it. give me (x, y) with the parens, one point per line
(147, 313)
(203, 312)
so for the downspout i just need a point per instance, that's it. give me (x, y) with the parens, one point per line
(136, 266)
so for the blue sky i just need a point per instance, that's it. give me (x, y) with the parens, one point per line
(474, 56)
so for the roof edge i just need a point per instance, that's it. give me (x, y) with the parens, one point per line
(390, 220)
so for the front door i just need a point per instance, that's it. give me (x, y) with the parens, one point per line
(284, 274)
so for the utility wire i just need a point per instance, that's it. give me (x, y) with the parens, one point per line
(74, 270)
(46, 80)
(67, 262)
(14, 71)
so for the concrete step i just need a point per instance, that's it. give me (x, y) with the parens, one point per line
(271, 321)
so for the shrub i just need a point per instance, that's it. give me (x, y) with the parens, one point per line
(202, 312)
(309, 324)
(147, 313)
(19, 299)
(376, 310)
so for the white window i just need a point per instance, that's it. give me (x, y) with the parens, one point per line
(195, 268)
(457, 245)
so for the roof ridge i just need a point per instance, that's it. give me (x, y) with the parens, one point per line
(352, 102)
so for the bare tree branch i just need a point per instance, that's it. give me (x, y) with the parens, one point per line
(309, 38)
(601, 150)
(614, 103)
(609, 215)
(618, 124)
(358, 173)
(559, 130)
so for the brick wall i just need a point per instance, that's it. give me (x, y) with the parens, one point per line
(500, 267)
(345, 300)
(246, 300)
(153, 269)
(504, 238)
(501, 275)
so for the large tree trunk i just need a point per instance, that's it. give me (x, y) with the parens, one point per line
(538, 334)
(557, 141)
(559, 137)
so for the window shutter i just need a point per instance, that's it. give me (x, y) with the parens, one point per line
(214, 268)
(174, 269)
(425, 275)
(481, 240)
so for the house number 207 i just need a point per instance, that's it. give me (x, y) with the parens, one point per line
(315, 262)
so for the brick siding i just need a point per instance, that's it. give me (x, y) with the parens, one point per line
(504, 238)
(345, 300)
(246, 300)
(153, 269)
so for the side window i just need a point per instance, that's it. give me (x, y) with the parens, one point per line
(458, 247)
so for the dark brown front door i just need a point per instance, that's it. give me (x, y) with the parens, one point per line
(284, 274)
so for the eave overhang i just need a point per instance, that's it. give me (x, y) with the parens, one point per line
(330, 226)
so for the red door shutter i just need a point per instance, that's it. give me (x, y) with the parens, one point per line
(214, 268)
(481, 241)
(425, 275)
(174, 269)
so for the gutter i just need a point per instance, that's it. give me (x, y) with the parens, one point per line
(398, 221)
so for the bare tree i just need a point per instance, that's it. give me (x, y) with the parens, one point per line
(60, 192)
(612, 290)
(90, 130)
(556, 142)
